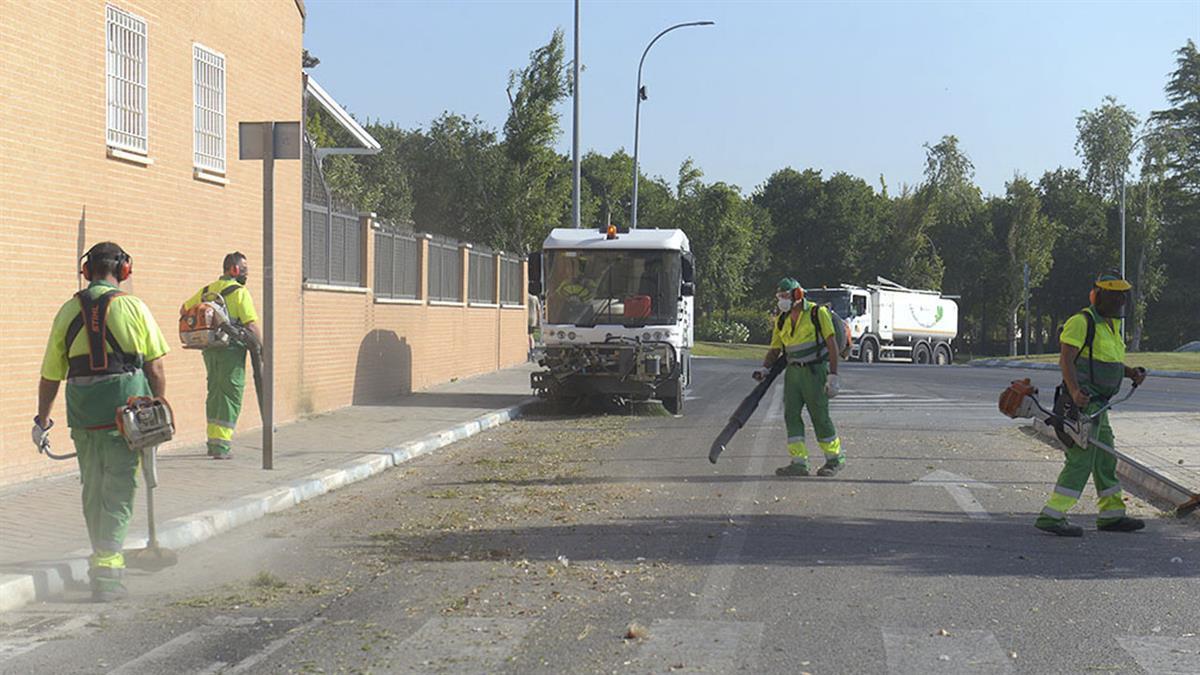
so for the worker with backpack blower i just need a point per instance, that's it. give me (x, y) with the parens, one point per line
(203, 325)
(108, 348)
(1092, 362)
(805, 332)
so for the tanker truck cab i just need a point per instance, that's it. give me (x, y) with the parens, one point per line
(617, 314)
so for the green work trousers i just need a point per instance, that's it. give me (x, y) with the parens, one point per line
(108, 469)
(804, 386)
(226, 383)
(1082, 463)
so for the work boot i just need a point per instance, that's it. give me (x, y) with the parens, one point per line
(216, 453)
(792, 469)
(1122, 524)
(106, 584)
(1061, 528)
(831, 467)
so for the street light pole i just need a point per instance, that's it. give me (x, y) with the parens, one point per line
(575, 127)
(637, 115)
(1132, 147)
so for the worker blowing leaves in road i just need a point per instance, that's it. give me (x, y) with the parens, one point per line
(805, 332)
(1092, 363)
(108, 348)
(222, 327)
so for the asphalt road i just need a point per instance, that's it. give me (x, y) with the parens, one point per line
(608, 543)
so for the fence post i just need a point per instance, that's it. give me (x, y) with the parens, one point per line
(465, 253)
(366, 220)
(423, 282)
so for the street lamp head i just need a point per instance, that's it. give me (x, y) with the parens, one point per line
(706, 23)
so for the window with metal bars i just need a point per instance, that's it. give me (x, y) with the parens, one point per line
(445, 270)
(397, 264)
(481, 276)
(126, 80)
(208, 78)
(510, 281)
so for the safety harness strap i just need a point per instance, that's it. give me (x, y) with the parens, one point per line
(93, 316)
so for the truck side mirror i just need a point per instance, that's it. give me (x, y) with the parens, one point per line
(535, 274)
(687, 289)
(688, 269)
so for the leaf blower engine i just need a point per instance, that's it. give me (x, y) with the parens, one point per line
(1071, 426)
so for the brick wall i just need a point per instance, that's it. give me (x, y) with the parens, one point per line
(60, 193)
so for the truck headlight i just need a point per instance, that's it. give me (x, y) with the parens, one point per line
(562, 335)
(658, 335)
(646, 335)
(571, 335)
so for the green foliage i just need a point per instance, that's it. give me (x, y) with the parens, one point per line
(712, 329)
(1105, 143)
(758, 323)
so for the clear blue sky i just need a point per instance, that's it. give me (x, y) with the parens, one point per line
(854, 87)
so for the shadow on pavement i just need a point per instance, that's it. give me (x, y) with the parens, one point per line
(932, 547)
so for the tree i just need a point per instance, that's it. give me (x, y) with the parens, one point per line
(1105, 143)
(610, 181)
(1175, 317)
(538, 182)
(1027, 237)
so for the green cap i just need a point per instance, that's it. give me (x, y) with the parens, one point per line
(788, 284)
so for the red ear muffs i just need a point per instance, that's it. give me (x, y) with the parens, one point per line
(125, 268)
(797, 294)
(1093, 296)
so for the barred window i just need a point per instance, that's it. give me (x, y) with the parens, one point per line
(208, 77)
(481, 277)
(511, 283)
(126, 80)
(397, 264)
(445, 270)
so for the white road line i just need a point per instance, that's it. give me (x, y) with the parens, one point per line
(249, 662)
(166, 657)
(724, 566)
(959, 488)
(1164, 655)
(30, 637)
(968, 652)
(469, 645)
(677, 645)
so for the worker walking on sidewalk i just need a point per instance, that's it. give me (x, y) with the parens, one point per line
(226, 364)
(107, 346)
(1092, 362)
(805, 332)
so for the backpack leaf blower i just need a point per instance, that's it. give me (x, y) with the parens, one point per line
(742, 415)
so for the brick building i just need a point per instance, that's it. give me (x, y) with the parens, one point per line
(118, 121)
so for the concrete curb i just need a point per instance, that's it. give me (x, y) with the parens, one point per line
(1022, 365)
(1163, 491)
(45, 580)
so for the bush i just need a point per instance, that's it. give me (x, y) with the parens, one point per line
(711, 329)
(758, 322)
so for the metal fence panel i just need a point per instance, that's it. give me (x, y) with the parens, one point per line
(445, 271)
(385, 264)
(482, 277)
(334, 246)
(510, 281)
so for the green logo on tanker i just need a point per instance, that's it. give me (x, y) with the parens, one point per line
(926, 318)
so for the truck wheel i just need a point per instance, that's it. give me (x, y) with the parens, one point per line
(674, 403)
(941, 355)
(868, 352)
(921, 354)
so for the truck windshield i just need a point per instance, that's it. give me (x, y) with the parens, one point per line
(628, 288)
(838, 300)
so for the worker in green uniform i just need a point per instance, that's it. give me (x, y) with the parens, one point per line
(226, 365)
(805, 332)
(107, 346)
(1092, 360)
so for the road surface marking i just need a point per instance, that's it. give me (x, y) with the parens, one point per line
(469, 645)
(968, 652)
(733, 537)
(170, 656)
(253, 660)
(678, 645)
(1164, 655)
(959, 488)
(35, 631)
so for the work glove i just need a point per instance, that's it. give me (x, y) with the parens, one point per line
(1139, 376)
(41, 435)
(760, 374)
(831, 385)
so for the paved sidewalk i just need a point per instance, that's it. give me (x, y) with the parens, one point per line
(1028, 365)
(43, 541)
(1165, 448)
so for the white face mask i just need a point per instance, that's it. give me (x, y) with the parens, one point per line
(785, 305)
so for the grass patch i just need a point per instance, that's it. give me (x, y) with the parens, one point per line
(722, 350)
(1187, 361)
